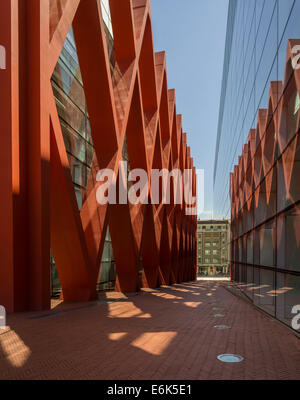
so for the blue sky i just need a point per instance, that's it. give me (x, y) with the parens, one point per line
(192, 32)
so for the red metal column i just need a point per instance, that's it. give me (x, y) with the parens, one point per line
(38, 134)
(9, 116)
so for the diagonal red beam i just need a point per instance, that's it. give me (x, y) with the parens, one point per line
(60, 31)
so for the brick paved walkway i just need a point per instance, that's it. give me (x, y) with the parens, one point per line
(161, 334)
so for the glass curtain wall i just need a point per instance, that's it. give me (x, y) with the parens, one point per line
(257, 36)
(265, 251)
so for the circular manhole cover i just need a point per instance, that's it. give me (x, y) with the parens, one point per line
(230, 358)
(222, 327)
(219, 315)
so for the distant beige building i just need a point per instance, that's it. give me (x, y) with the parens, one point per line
(213, 241)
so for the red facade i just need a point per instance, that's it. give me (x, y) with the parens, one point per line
(38, 205)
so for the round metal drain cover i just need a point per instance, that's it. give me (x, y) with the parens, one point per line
(222, 327)
(219, 315)
(230, 358)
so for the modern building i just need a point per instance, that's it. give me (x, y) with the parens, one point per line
(255, 53)
(82, 90)
(71, 106)
(258, 139)
(213, 241)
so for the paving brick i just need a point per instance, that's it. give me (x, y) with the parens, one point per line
(161, 334)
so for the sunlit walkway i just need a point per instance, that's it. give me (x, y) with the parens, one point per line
(159, 334)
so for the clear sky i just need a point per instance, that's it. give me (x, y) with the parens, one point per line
(192, 32)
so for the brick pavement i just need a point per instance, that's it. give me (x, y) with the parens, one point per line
(158, 334)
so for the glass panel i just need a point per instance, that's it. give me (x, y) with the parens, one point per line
(293, 242)
(55, 281)
(266, 246)
(107, 274)
(266, 293)
(249, 287)
(250, 249)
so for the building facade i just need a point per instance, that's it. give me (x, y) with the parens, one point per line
(213, 240)
(68, 90)
(258, 142)
(256, 41)
(82, 90)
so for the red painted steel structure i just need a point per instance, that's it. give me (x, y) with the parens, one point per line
(264, 193)
(38, 205)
